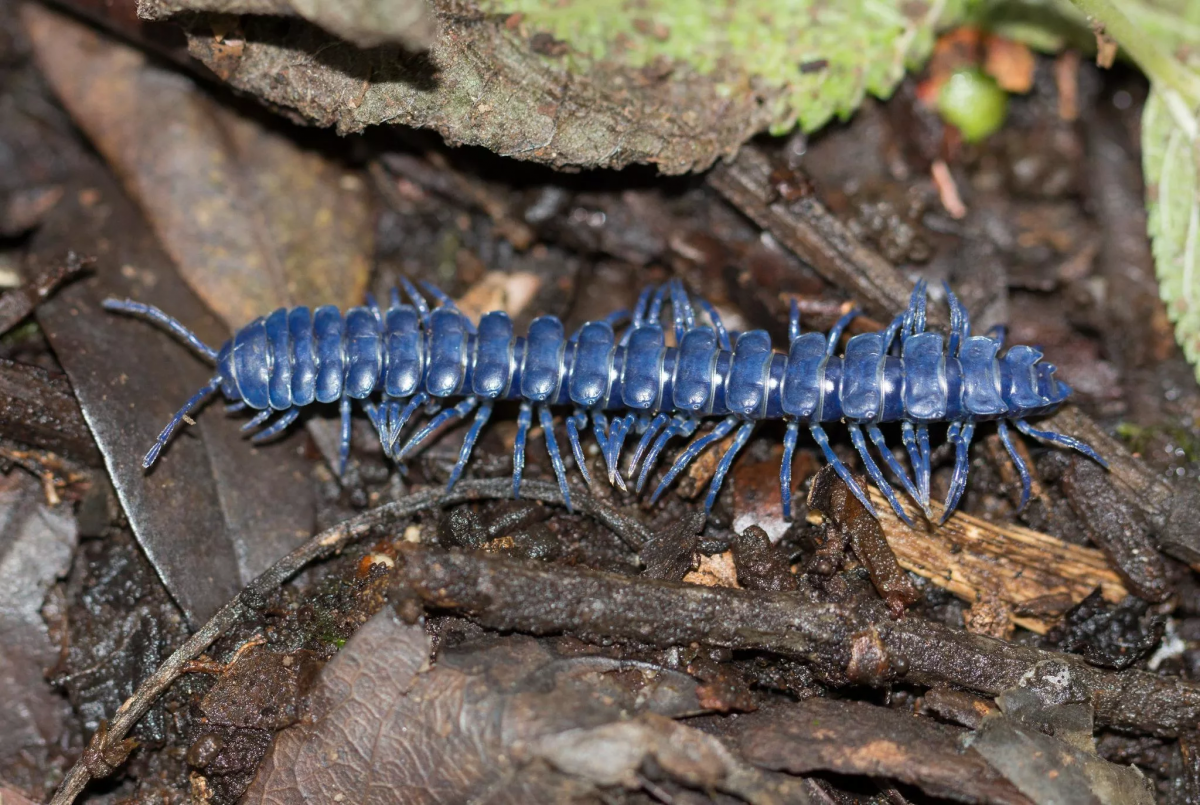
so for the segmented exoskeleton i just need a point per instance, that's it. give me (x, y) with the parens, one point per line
(411, 357)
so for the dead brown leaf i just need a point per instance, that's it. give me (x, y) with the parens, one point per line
(385, 725)
(253, 221)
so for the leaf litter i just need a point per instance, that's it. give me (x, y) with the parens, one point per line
(801, 628)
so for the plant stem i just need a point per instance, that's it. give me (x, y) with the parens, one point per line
(1154, 59)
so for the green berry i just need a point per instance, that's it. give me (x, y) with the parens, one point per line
(972, 102)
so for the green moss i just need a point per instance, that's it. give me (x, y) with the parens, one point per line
(819, 57)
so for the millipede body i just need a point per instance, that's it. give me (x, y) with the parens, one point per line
(621, 377)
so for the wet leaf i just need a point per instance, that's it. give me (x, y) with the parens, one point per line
(384, 725)
(593, 84)
(849, 737)
(36, 544)
(1048, 770)
(214, 512)
(252, 220)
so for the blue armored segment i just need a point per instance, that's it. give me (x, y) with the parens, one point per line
(802, 382)
(328, 328)
(747, 383)
(304, 356)
(694, 369)
(542, 373)
(225, 372)
(1053, 392)
(1020, 386)
(981, 377)
(862, 376)
(892, 388)
(279, 345)
(404, 349)
(643, 367)
(363, 352)
(447, 352)
(250, 364)
(589, 371)
(925, 377)
(492, 355)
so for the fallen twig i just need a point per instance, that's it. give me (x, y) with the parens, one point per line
(856, 643)
(750, 183)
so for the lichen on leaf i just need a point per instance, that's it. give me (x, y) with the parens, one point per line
(674, 83)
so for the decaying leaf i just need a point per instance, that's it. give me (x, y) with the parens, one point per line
(214, 512)
(591, 84)
(36, 544)
(252, 220)
(487, 716)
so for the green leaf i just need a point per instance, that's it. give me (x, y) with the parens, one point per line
(1170, 158)
(815, 58)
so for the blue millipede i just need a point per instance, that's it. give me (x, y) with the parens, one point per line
(412, 357)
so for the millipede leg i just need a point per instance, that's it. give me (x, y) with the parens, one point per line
(576, 422)
(639, 310)
(652, 429)
(654, 315)
(556, 460)
(889, 335)
(200, 396)
(457, 412)
(377, 418)
(681, 310)
(835, 332)
(418, 301)
(785, 469)
(678, 427)
(373, 304)
(437, 293)
(1062, 439)
(616, 317)
(739, 441)
(464, 453)
(600, 430)
(793, 320)
(344, 447)
(394, 299)
(397, 419)
(926, 469)
(1018, 462)
(908, 435)
(257, 419)
(959, 435)
(881, 444)
(685, 303)
(445, 301)
(616, 440)
(167, 322)
(524, 420)
(277, 427)
(822, 439)
(234, 407)
(694, 449)
(718, 325)
(914, 316)
(876, 476)
(960, 322)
